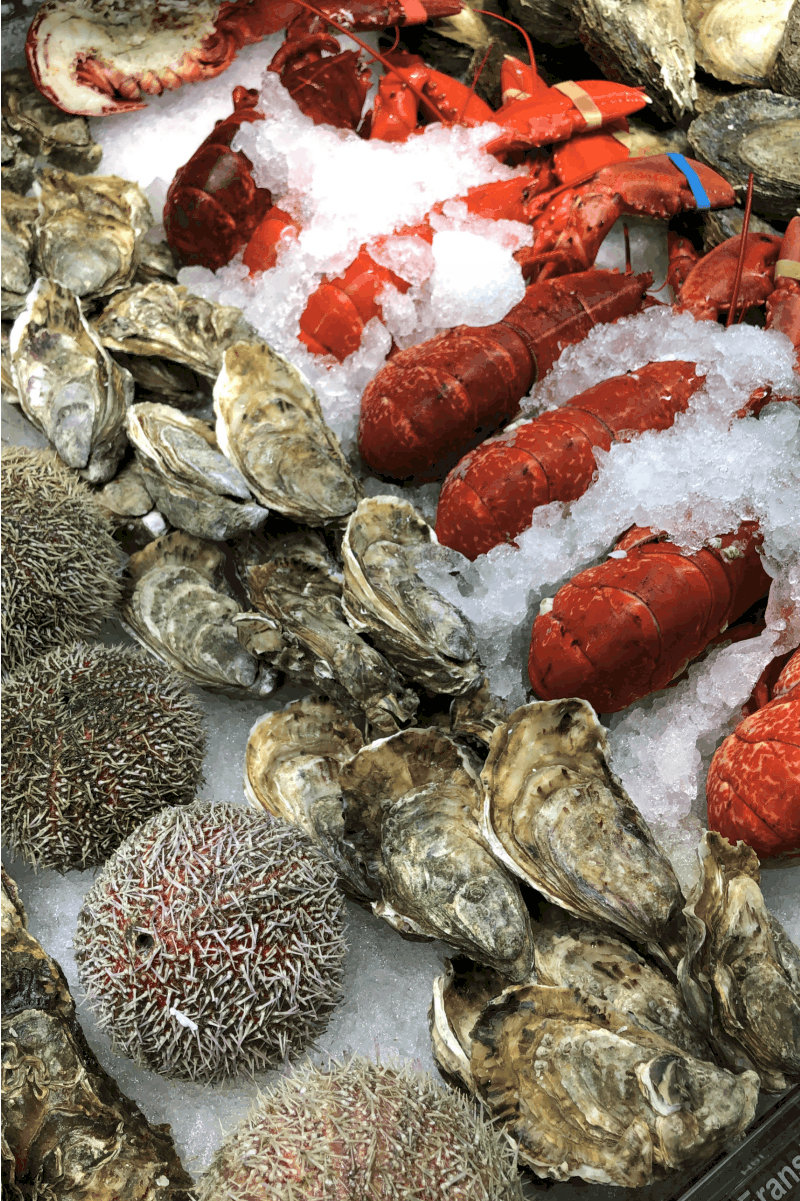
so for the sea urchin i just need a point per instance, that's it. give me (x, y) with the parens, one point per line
(212, 942)
(96, 739)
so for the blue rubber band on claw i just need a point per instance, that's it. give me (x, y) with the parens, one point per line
(693, 180)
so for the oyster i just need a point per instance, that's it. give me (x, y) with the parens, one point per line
(291, 769)
(785, 74)
(737, 40)
(547, 20)
(642, 43)
(126, 495)
(18, 217)
(180, 611)
(89, 231)
(411, 805)
(42, 128)
(740, 975)
(558, 818)
(477, 714)
(722, 224)
(459, 998)
(68, 385)
(162, 382)
(18, 169)
(156, 263)
(384, 597)
(305, 602)
(588, 1093)
(192, 483)
(569, 953)
(270, 425)
(167, 321)
(759, 132)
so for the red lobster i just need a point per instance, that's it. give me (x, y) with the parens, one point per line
(490, 496)
(86, 64)
(753, 784)
(624, 629)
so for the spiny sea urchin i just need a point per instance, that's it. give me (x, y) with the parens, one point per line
(60, 562)
(362, 1132)
(96, 739)
(212, 942)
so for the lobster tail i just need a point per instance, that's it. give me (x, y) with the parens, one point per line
(432, 403)
(628, 627)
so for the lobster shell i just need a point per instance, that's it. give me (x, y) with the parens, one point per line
(433, 402)
(624, 629)
(490, 496)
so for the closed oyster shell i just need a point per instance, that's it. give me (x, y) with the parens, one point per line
(291, 769)
(161, 382)
(44, 129)
(740, 975)
(785, 74)
(167, 321)
(459, 998)
(737, 40)
(17, 168)
(411, 805)
(554, 814)
(759, 132)
(68, 385)
(588, 1093)
(269, 423)
(179, 610)
(18, 217)
(477, 714)
(304, 600)
(192, 483)
(384, 597)
(89, 231)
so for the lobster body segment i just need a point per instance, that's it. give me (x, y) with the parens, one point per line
(623, 629)
(431, 403)
(490, 496)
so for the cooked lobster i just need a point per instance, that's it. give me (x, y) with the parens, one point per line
(490, 496)
(431, 403)
(753, 784)
(619, 631)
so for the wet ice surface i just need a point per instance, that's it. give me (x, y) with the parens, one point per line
(702, 477)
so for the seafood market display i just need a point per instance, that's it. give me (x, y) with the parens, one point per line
(431, 425)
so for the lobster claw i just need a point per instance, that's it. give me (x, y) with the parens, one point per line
(411, 84)
(331, 90)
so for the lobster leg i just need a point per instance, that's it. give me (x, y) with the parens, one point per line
(431, 403)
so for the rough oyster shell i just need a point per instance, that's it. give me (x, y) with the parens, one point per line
(156, 263)
(18, 218)
(758, 132)
(587, 1093)
(68, 385)
(384, 597)
(192, 483)
(269, 423)
(737, 40)
(569, 953)
(44, 129)
(179, 611)
(167, 321)
(89, 231)
(17, 169)
(159, 381)
(785, 74)
(477, 714)
(291, 769)
(459, 998)
(126, 495)
(642, 43)
(558, 818)
(740, 975)
(304, 600)
(411, 805)
(547, 20)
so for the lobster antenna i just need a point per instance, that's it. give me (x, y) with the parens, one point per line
(474, 83)
(531, 56)
(737, 281)
(376, 54)
(627, 236)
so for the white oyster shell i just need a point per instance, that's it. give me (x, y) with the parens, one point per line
(737, 40)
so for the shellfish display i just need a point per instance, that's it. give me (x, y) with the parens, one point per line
(614, 1011)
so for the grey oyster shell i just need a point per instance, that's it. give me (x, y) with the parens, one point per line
(642, 43)
(477, 714)
(588, 1093)
(740, 975)
(304, 600)
(737, 40)
(270, 424)
(570, 953)
(180, 611)
(785, 74)
(192, 483)
(547, 20)
(411, 805)
(18, 218)
(384, 597)
(89, 231)
(557, 817)
(167, 321)
(17, 168)
(291, 769)
(161, 382)
(126, 495)
(43, 129)
(68, 385)
(759, 132)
